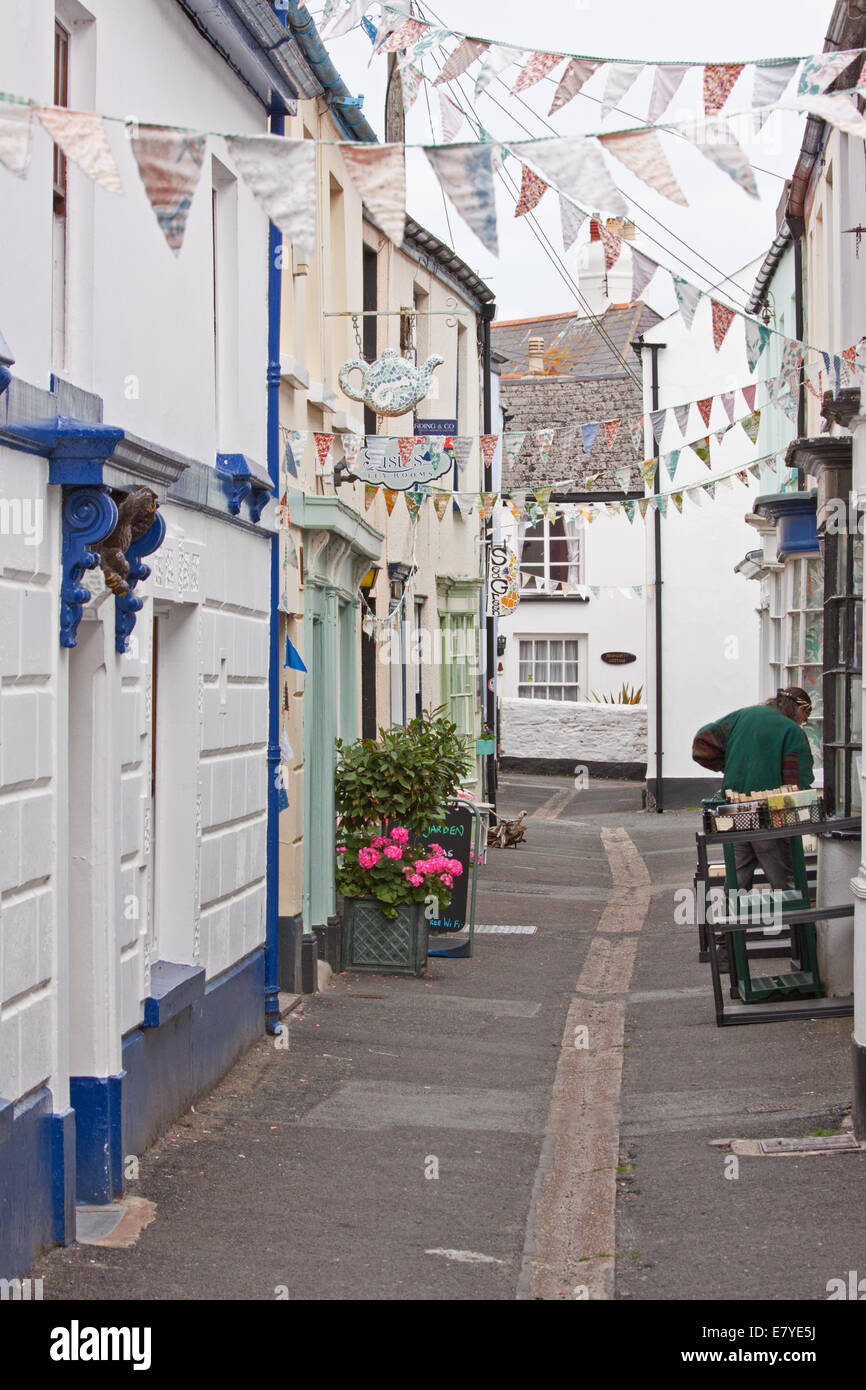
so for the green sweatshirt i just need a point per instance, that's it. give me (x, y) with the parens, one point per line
(758, 749)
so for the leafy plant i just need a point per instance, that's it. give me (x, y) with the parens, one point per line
(628, 695)
(390, 869)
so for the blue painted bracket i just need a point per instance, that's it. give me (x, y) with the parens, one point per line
(173, 988)
(127, 606)
(89, 515)
(242, 480)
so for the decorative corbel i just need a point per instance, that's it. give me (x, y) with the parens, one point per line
(89, 515)
(128, 605)
(242, 479)
(260, 496)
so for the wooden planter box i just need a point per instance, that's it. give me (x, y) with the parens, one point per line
(387, 945)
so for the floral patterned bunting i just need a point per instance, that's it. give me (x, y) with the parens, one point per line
(488, 448)
(324, 443)
(611, 429)
(578, 72)
(687, 299)
(532, 190)
(391, 496)
(370, 490)
(537, 66)
(409, 32)
(612, 245)
(170, 163)
(637, 433)
(705, 409)
(719, 79)
(702, 449)
(440, 504)
(462, 57)
(722, 320)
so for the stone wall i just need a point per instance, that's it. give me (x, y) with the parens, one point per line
(537, 403)
(559, 736)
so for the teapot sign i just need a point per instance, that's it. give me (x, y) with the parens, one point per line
(391, 385)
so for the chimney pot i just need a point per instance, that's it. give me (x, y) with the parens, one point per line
(536, 357)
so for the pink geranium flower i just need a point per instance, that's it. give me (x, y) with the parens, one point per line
(400, 834)
(416, 880)
(378, 841)
(368, 857)
(393, 852)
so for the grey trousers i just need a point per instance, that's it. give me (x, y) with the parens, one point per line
(774, 857)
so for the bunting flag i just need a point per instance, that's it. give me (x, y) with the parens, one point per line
(702, 448)
(487, 501)
(498, 57)
(612, 245)
(681, 415)
(324, 443)
(628, 508)
(488, 444)
(170, 164)
(281, 174)
(293, 659)
(466, 174)
(406, 445)
(725, 153)
(642, 504)
(588, 434)
(408, 34)
(728, 404)
(513, 443)
(298, 443)
(696, 495)
(291, 466)
(391, 496)
(542, 495)
(461, 445)
(671, 461)
(687, 299)
(648, 469)
(677, 498)
(518, 497)
(413, 503)
(16, 135)
(370, 490)
(440, 504)
(642, 271)
(722, 319)
(352, 444)
(379, 174)
(705, 408)
(347, 20)
(719, 435)
(411, 77)
(637, 433)
(575, 165)
(578, 72)
(611, 429)
(657, 422)
(661, 502)
(532, 190)
(710, 490)
(544, 440)
(757, 338)
(642, 153)
(537, 66)
(620, 80)
(771, 79)
(743, 477)
(461, 58)
(81, 136)
(451, 116)
(719, 79)
(623, 478)
(572, 219)
(751, 425)
(666, 84)
(822, 69)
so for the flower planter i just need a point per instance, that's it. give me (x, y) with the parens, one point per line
(387, 945)
(485, 746)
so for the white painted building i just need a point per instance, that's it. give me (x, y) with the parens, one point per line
(135, 797)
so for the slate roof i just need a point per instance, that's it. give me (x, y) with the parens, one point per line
(574, 346)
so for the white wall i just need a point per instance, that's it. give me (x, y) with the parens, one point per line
(587, 732)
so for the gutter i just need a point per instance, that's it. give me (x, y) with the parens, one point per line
(783, 239)
(348, 116)
(271, 79)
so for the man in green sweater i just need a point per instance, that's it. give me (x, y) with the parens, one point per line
(761, 748)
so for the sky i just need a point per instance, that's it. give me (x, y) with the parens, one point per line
(723, 229)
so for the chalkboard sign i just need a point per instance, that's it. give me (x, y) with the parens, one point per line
(454, 834)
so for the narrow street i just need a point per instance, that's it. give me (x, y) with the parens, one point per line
(394, 1150)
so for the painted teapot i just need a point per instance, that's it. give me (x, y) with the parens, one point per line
(391, 385)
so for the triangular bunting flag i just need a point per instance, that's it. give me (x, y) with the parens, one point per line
(411, 77)
(370, 490)
(757, 338)
(677, 499)
(771, 79)
(628, 508)
(611, 429)
(636, 431)
(671, 461)
(823, 69)
(461, 58)
(723, 151)
(487, 501)
(16, 134)
(542, 495)
(544, 440)
(666, 84)
(409, 32)
(566, 441)
(623, 478)
(642, 504)
(728, 404)
(621, 78)
(406, 445)
(751, 425)
(648, 469)
(351, 448)
(642, 153)
(488, 448)
(681, 415)
(413, 503)
(532, 190)
(466, 174)
(293, 657)
(391, 496)
(687, 299)
(512, 444)
(291, 466)
(81, 136)
(571, 219)
(575, 166)
(722, 320)
(578, 72)
(702, 449)
(657, 421)
(642, 271)
(440, 504)
(498, 57)
(324, 443)
(170, 164)
(379, 174)
(298, 442)
(661, 502)
(588, 433)
(451, 116)
(710, 490)
(537, 66)
(743, 477)
(612, 245)
(719, 79)
(705, 409)
(281, 174)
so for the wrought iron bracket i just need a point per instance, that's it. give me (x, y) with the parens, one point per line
(127, 606)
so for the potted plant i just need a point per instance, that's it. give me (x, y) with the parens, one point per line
(388, 794)
(485, 744)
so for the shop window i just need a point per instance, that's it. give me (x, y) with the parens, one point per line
(843, 672)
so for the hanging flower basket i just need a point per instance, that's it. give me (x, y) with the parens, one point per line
(485, 746)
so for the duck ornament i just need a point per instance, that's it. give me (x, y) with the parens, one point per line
(391, 385)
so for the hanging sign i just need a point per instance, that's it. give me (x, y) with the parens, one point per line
(618, 658)
(381, 461)
(503, 585)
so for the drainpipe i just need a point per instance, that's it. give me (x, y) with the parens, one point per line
(799, 330)
(272, 992)
(487, 312)
(345, 108)
(655, 348)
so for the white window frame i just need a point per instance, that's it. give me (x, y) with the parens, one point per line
(524, 693)
(577, 535)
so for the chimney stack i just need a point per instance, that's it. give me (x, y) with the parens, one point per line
(536, 357)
